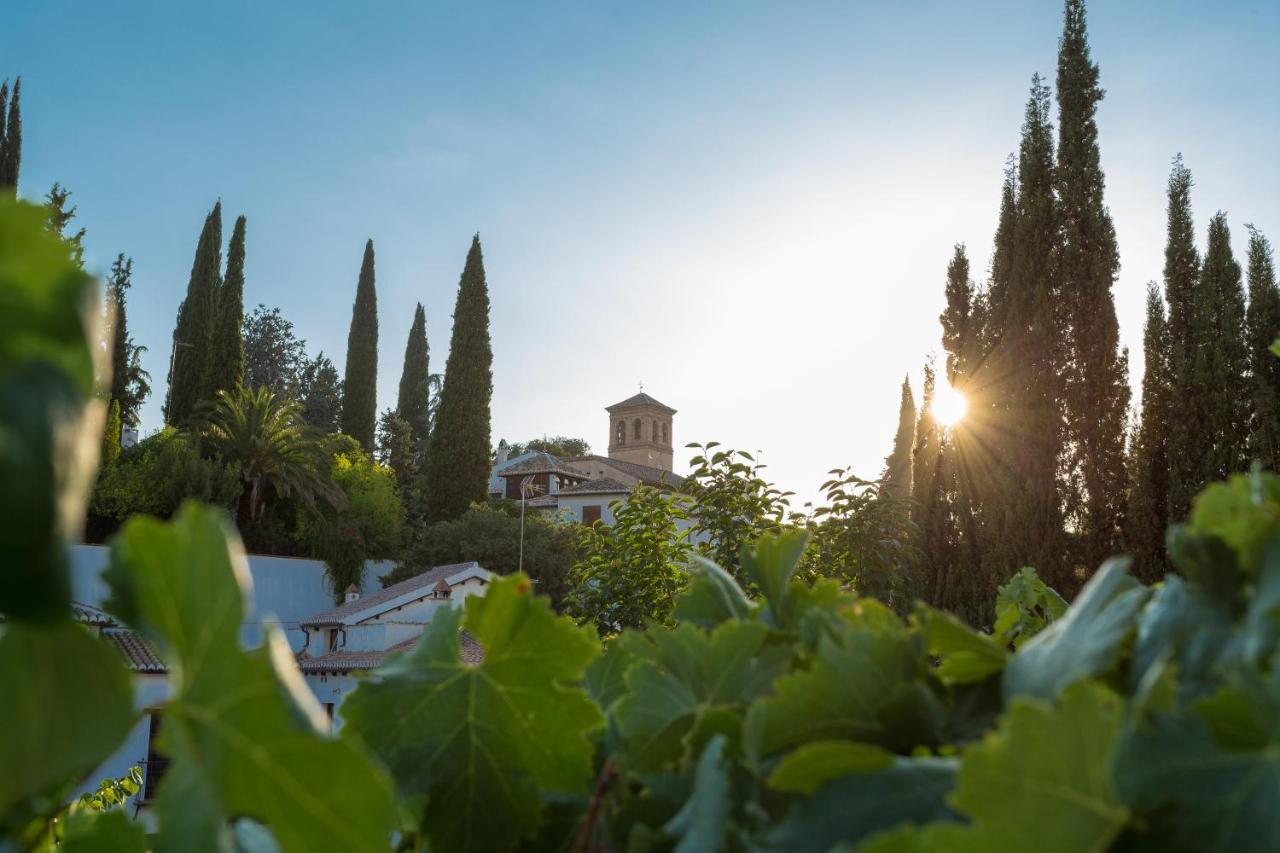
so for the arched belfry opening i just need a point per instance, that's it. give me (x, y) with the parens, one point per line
(641, 431)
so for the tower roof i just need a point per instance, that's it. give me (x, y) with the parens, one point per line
(635, 402)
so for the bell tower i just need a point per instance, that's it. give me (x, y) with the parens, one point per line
(640, 431)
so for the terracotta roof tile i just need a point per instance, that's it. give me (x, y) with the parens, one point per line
(136, 651)
(471, 653)
(641, 399)
(598, 486)
(541, 463)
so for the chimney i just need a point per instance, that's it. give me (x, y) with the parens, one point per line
(503, 451)
(352, 594)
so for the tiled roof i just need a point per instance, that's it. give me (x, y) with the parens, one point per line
(88, 615)
(471, 652)
(544, 501)
(598, 486)
(423, 582)
(641, 399)
(644, 473)
(541, 463)
(136, 651)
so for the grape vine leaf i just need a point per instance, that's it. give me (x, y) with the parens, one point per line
(102, 832)
(481, 742)
(712, 597)
(1085, 642)
(871, 688)
(811, 765)
(770, 563)
(1207, 797)
(858, 805)
(71, 706)
(703, 822)
(1181, 625)
(964, 655)
(695, 688)
(50, 426)
(242, 730)
(1046, 773)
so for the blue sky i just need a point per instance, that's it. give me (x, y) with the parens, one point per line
(747, 206)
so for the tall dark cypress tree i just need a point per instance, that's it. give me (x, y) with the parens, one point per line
(1262, 327)
(458, 462)
(1032, 532)
(360, 383)
(1222, 360)
(10, 137)
(413, 404)
(118, 284)
(1148, 514)
(1181, 278)
(191, 335)
(898, 467)
(224, 367)
(1097, 388)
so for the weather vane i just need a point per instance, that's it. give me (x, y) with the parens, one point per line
(641, 384)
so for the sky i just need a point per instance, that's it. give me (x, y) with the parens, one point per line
(748, 207)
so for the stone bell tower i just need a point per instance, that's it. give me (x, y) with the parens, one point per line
(640, 431)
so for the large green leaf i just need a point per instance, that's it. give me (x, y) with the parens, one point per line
(1182, 626)
(242, 730)
(49, 429)
(698, 685)
(872, 687)
(1200, 795)
(480, 741)
(103, 832)
(712, 597)
(703, 822)
(1243, 512)
(769, 564)
(811, 765)
(856, 806)
(1046, 774)
(964, 655)
(69, 705)
(1086, 641)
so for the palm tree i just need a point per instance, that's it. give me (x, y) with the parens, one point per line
(265, 437)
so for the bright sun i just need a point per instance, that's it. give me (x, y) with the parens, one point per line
(949, 405)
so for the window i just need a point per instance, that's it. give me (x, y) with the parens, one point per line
(664, 433)
(637, 430)
(333, 639)
(591, 513)
(156, 763)
(654, 435)
(622, 432)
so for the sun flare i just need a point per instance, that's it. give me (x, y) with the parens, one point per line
(949, 405)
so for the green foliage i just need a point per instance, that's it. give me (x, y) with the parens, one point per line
(113, 793)
(130, 384)
(194, 329)
(864, 537)
(735, 505)
(1025, 606)
(360, 380)
(275, 453)
(155, 476)
(111, 436)
(184, 584)
(490, 535)
(368, 523)
(396, 448)
(897, 467)
(10, 137)
(459, 461)
(58, 220)
(1148, 513)
(224, 364)
(276, 360)
(414, 402)
(1262, 321)
(320, 392)
(630, 572)
(482, 742)
(561, 446)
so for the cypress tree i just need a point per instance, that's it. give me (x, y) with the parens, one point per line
(224, 368)
(1148, 514)
(111, 436)
(1222, 359)
(1097, 389)
(458, 462)
(10, 137)
(118, 283)
(191, 335)
(59, 215)
(1032, 532)
(360, 382)
(897, 467)
(1181, 277)
(413, 404)
(1262, 327)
